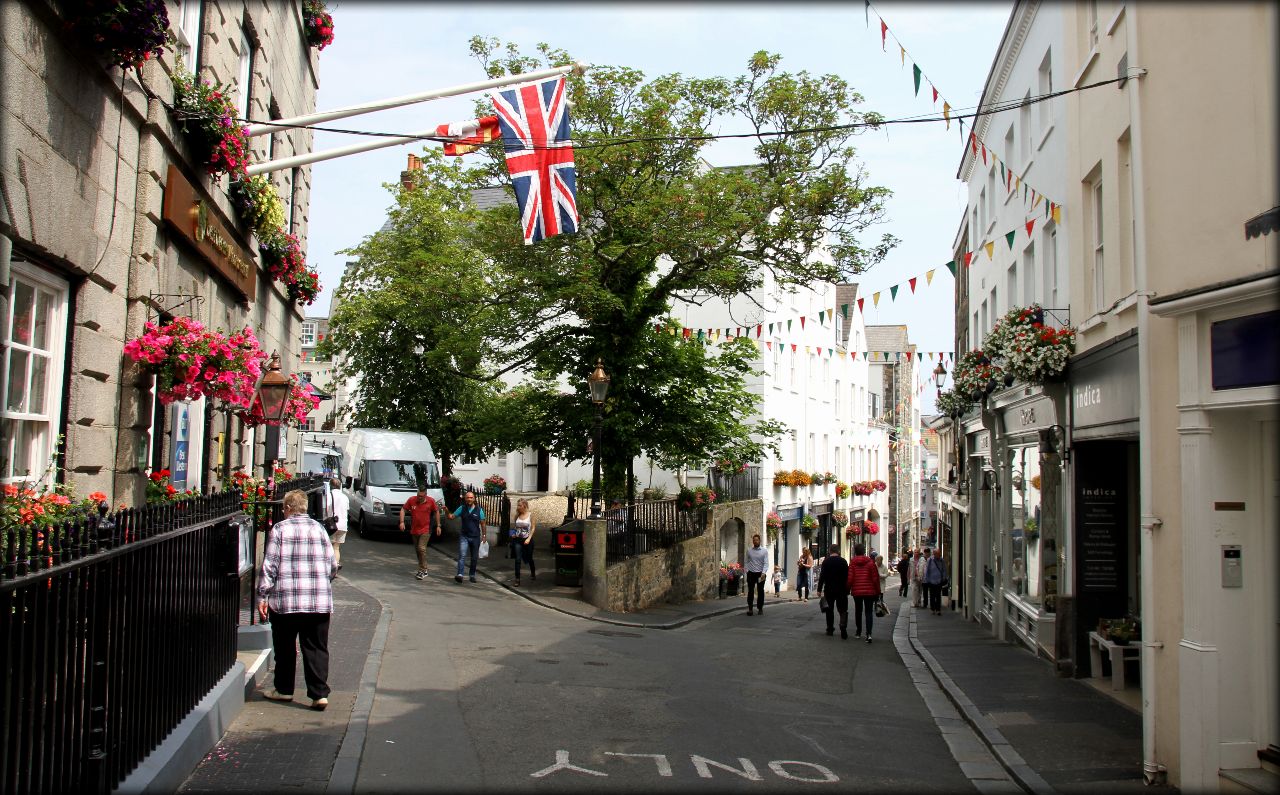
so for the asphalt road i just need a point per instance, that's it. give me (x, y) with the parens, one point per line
(480, 689)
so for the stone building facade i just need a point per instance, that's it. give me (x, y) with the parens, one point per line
(88, 154)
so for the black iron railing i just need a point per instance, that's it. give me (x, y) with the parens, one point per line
(112, 629)
(731, 487)
(647, 526)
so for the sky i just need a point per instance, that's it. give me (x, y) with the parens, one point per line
(387, 50)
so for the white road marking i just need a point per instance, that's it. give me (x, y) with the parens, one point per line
(828, 777)
(562, 763)
(664, 767)
(704, 765)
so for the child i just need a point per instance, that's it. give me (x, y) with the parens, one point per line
(777, 580)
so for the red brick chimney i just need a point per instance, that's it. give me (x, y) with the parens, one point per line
(407, 177)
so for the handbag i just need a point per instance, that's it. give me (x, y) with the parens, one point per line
(330, 524)
(882, 609)
(484, 549)
(823, 605)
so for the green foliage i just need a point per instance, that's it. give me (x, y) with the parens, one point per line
(405, 300)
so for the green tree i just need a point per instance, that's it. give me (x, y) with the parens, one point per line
(405, 300)
(659, 226)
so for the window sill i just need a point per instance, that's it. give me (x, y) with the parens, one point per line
(1044, 137)
(1084, 70)
(1115, 20)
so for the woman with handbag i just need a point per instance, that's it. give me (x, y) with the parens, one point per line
(336, 522)
(804, 567)
(881, 609)
(935, 575)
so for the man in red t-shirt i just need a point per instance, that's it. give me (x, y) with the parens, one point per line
(426, 515)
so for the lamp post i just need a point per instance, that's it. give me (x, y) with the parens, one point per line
(272, 395)
(598, 382)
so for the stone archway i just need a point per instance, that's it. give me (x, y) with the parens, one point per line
(733, 540)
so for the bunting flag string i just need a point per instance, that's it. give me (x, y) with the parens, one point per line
(978, 145)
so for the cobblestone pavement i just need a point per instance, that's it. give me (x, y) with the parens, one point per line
(273, 747)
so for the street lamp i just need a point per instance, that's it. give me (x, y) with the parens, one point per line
(272, 395)
(939, 375)
(598, 383)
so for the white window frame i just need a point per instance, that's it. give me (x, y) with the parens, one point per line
(777, 363)
(310, 329)
(187, 32)
(836, 392)
(1051, 267)
(1029, 282)
(1099, 259)
(1044, 85)
(37, 457)
(245, 74)
(1011, 277)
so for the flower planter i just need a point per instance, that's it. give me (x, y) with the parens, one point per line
(731, 587)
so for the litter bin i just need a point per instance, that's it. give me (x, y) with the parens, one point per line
(568, 551)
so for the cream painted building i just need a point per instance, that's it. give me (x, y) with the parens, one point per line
(1173, 196)
(88, 254)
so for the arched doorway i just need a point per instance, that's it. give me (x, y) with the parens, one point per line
(733, 541)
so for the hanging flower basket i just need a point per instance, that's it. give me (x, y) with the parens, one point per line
(495, 484)
(1032, 352)
(953, 403)
(842, 489)
(127, 33)
(283, 259)
(773, 521)
(258, 203)
(318, 23)
(879, 485)
(975, 375)
(840, 518)
(808, 524)
(205, 112)
(190, 362)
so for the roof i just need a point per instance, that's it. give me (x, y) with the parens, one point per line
(490, 197)
(887, 338)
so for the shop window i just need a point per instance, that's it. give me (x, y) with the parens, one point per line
(245, 76)
(1245, 351)
(1023, 575)
(187, 33)
(33, 362)
(308, 333)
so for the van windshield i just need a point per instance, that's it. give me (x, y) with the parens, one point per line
(403, 474)
(321, 462)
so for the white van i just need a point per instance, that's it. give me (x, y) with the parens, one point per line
(382, 469)
(321, 454)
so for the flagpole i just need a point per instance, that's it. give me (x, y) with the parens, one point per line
(342, 151)
(263, 128)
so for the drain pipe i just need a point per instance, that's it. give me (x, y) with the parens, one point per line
(1153, 773)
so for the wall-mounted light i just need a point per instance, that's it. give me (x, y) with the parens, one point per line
(1054, 440)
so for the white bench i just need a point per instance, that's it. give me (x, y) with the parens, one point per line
(1117, 654)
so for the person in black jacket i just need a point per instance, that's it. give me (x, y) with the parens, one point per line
(833, 583)
(904, 572)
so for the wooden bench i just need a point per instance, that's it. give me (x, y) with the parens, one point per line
(1116, 653)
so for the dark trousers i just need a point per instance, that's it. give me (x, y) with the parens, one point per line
(311, 632)
(902, 587)
(838, 603)
(755, 589)
(802, 584)
(934, 592)
(863, 607)
(522, 551)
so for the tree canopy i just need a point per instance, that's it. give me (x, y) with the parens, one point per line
(658, 226)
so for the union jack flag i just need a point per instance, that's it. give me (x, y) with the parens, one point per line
(535, 133)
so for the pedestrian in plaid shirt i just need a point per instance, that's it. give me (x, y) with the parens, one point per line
(296, 595)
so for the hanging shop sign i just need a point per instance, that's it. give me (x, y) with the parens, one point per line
(189, 213)
(820, 508)
(790, 512)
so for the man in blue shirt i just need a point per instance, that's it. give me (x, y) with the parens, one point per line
(470, 534)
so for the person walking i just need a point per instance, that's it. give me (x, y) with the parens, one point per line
(864, 585)
(935, 575)
(522, 528)
(833, 583)
(917, 578)
(804, 568)
(882, 570)
(470, 534)
(757, 572)
(425, 515)
(339, 505)
(904, 573)
(777, 581)
(295, 593)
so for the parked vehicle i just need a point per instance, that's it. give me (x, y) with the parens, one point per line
(382, 469)
(321, 454)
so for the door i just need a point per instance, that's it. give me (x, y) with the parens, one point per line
(1270, 552)
(544, 470)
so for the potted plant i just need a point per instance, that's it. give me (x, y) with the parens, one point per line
(808, 524)
(975, 375)
(730, 574)
(879, 485)
(839, 518)
(317, 22)
(495, 484)
(1031, 530)
(190, 362)
(953, 403)
(1120, 633)
(125, 32)
(208, 116)
(258, 203)
(842, 489)
(1032, 351)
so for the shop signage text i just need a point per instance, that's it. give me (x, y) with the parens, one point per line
(191, 215)
(1105, 390)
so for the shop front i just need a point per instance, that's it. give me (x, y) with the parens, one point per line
(1028, 517)
(789, 539)
(981, 559)
(1104, 540)
(825, 534)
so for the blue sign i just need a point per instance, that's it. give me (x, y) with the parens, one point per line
(181, 433)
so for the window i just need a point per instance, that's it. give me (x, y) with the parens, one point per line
(1024, 132)
(187, 33)
(1011, 277)
(839, 328)
(1099, 264)
(246, 74)
(1010, 154)
(1044, 85)
(1050, 235)
(308, 333)
(873, 409)
(292, 200)
(982, 328)
(777, 363)
(836, 392)
(1091, 20)
(826, 378)
(792, 361)
(995, 307)
(809, 452)
(982, 209)
(975, 331)
(1029, 275)
(991, 195)
(826, 452)
(32, 373)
